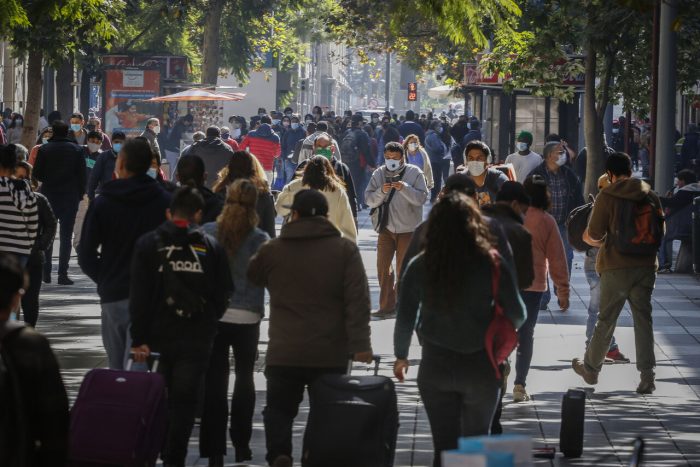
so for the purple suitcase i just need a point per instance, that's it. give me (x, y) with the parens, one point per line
(118, 419)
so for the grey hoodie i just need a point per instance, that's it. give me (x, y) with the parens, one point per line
(406, 207)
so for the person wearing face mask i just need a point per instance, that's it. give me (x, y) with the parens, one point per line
(418, 156)
(291, 137)
(92, 153)
(323, 146)
(404, 190)
(94, 123)
(226, 137)
(288, 112)
(566, 193)
(103, 171)
(43, 138)
(524, 161)
(60, 167)
(14, 131)
(437, 151)
(477, 158)
(77, 121)
(151, 134)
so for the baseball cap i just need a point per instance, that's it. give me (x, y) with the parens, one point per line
(309, 203)
(513, 191)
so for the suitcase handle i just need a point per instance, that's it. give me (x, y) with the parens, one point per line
(154, 367)
(377, 360)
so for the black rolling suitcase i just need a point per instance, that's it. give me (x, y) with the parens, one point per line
(573, 412)
(353, 421)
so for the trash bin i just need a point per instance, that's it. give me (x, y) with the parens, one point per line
(696, 235)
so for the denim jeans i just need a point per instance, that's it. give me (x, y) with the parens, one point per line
(594, 303)
(569, 251)
(285, 391)
(115, 332)
(289, 169)
(65, 207)
(441, 170)
(360, 179)
(617, 287)
(526, 335)
(243, 338)
(460, 393)
(183, 365)
(666, 252)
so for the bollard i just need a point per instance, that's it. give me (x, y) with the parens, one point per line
(696, 235)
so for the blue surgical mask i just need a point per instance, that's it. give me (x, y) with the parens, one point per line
(44, 140)
(75, 127)
(295, 126)
(275, 122)
(117, 147)
(393, 165)
(153, 173)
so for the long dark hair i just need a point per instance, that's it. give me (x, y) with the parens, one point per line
(319, 175)
(456, 238)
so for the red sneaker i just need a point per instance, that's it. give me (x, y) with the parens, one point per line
(615, 356)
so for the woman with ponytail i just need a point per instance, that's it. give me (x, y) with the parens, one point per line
(239, 328)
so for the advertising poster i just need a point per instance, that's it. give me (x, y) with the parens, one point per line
(125, 90)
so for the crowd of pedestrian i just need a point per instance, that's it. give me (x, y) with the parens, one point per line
(181, 263)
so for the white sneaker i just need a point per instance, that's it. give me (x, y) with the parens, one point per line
(520, 394)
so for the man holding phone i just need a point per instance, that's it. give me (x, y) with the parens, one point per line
(403, 188)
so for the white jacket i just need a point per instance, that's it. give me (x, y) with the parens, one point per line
(339, 212)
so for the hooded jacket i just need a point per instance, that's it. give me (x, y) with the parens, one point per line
(264, 144)
(679, 212)
(215, 154)
(339, 210)
(406, 206)
(125, 210)
(319, 295)
(155, 324)
(603, 222)
(519, 238)
(60, 167)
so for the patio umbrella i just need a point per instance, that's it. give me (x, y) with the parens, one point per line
(196, 94)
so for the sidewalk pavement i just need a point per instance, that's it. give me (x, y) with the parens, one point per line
(668, 420)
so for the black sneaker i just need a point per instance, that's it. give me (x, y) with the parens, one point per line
(380, 315)
(64, 280)
(46, 278)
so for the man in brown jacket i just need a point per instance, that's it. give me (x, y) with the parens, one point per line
(319, 312)
(625, 276)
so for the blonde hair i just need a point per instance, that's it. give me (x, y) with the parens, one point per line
(242, 165)
(239, 217)
(408, 140)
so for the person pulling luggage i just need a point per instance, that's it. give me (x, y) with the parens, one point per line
(180, 288)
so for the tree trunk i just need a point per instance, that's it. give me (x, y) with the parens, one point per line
(64, 90)
(31, 111)
(210, 52)
(592, 127)
(85, 93)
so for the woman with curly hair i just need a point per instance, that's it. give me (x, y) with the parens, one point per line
(246, 166)
(239, 329)
(451, 283)
(319, 175)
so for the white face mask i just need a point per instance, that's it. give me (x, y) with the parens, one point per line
(153, 173)
(562, 158)
(393, 165)
(156, 129)
(476, 168)
(521, 146)
(93, 147)
(236, 133)
(412, 147)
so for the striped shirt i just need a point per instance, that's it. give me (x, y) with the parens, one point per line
(19, 218)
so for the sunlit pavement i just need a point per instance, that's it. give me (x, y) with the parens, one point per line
(669, 420)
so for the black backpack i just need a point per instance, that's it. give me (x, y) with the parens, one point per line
(178, 264)
(348, 147)
(576, 224)
(640, 227)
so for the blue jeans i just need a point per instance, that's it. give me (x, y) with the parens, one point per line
(460, 393)
(594, 304)
(441, 170)
(526, 336)
(65, 207)
(115, 332)
(360, 180)
(289, 169)
(569, 262)
(666, 252)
